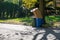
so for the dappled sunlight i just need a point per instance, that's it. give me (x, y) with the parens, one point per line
(51, 37)
(40, 36)
(56, 31)
(43, 31)
(48, 34)
(34, 33)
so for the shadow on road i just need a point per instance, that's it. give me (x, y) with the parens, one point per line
(50, 33)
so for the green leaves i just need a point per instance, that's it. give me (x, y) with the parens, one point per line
(52, 18)
(29, 3)
(12, 1)
(15, 1)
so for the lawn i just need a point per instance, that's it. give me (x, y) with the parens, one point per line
(28, 20)
(53, 20)
(25, 21)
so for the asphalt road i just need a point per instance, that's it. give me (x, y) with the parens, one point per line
(22, 32)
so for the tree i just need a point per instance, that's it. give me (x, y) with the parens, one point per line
(42, 8)
(29, 3)
(1, 0)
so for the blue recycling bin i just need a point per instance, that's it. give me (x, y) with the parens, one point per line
(38, 22)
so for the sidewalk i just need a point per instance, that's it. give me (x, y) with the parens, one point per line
(22, 32)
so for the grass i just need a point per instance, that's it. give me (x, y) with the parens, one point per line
(25, 20)
(52, 20)
(28, 20)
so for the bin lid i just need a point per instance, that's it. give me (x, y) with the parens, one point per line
(34, 9)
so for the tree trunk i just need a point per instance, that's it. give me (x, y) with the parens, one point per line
(41, 8)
